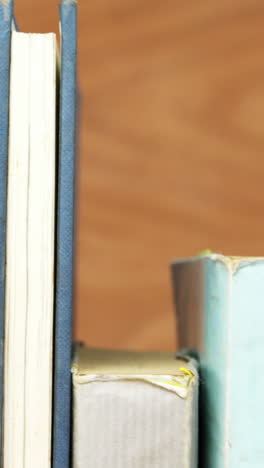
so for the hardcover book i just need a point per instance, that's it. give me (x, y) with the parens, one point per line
(220, 309)
(36, 316)
(134, 410)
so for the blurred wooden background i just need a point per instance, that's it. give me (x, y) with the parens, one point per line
(171, 151)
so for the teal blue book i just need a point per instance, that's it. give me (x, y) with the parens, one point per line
(220, 315)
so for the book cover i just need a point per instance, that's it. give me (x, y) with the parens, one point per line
(6, 15)
(65, 233)
(220, 313)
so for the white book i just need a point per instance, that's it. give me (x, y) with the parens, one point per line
(30, 252)
(134, 410)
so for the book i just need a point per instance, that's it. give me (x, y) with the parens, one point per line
(39, 263)
(220, 305)
(6, 15)
(65, 238)
(29, 308)
(134, 409)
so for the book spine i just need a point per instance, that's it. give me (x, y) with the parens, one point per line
(65, 238)
(6, 15)
(214, 364)
(201, 294)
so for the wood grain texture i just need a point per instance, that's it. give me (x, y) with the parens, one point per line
(171, 152)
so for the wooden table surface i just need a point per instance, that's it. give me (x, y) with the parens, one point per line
(171, 152)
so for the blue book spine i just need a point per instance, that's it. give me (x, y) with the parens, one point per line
(65, 239)
(220, 311)
(6, 14)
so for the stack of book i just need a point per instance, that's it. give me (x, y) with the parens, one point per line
(135, 410)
